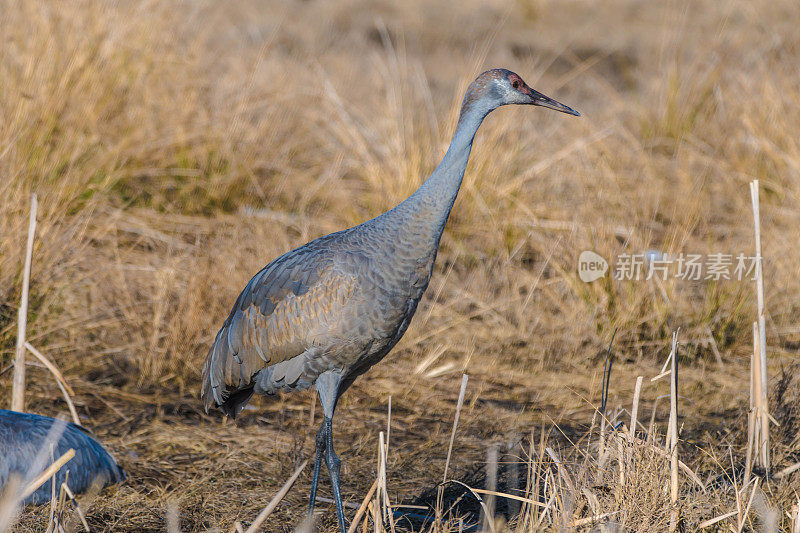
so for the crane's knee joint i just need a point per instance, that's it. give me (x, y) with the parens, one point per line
(321, 439)
(332, 460)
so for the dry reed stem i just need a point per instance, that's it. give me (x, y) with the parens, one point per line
(378, 506)
(523, 499)
(66, 390)
(758, 398)
(752, 414)
(49, 472)
(461, 393)
(263, 515)
(362, 509)
(18, 387)
(581, 522)
(683, 466)
(763, 447)
(475, 493)
(388, 424)
(710, 522)
(635, 408)
(440, 491)
(562, 471)
(53, 501)
(491, 486)
(714, 348)
(673, 431)
(78, 509)
(786, 471)
(743, 517)
(173, 518)
(382, 502)
(9, 502)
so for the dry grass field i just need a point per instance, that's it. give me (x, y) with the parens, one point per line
(177, 147)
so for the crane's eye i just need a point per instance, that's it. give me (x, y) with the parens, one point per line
(516, 84)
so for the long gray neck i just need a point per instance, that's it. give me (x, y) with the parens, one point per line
(421, 217)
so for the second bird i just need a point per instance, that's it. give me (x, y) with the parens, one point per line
(323, 314)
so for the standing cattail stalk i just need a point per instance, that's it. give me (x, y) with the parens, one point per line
(18, 387)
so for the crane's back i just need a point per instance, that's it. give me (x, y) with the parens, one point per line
(25, 447)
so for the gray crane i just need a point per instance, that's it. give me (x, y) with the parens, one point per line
(324, 313)
(25, 441)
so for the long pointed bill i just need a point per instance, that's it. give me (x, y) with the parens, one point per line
(539, 99)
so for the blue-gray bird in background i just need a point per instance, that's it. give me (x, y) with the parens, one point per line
(324, 313)
(25, 441)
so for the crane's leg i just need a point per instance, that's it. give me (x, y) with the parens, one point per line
(327, 386)
(334, 463)
(319, 453)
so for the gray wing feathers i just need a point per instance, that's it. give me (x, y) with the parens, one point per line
(276, 319)
(24, 436)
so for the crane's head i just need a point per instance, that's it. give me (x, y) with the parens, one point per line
(499, 86)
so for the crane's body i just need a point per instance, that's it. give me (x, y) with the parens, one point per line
(25, 441)
(324, 313)
(337, 304)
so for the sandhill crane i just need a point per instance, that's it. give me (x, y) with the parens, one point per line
(324, 313)
(25, 450)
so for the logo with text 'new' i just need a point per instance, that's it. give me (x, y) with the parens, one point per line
(591, 266)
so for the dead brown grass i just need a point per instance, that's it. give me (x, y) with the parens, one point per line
(176, 148)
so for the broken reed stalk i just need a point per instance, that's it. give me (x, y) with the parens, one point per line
(377, 505)
(264, 514)
(714, 348)
(362, 509)
(382, 495)
(635, 408)
(459, 405)
(529, 511)
(491, 486)
(18, 387)
(754, 416)
(743, 517)
(513, 477)
(763, 418)
(48, 473)
(66, 390)
(388, 424)
(673, 425)
(173, 518)
(759, 409)
(78, 509)
(670, 362)
(384, 460)
(53, 501)
(9, 503)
